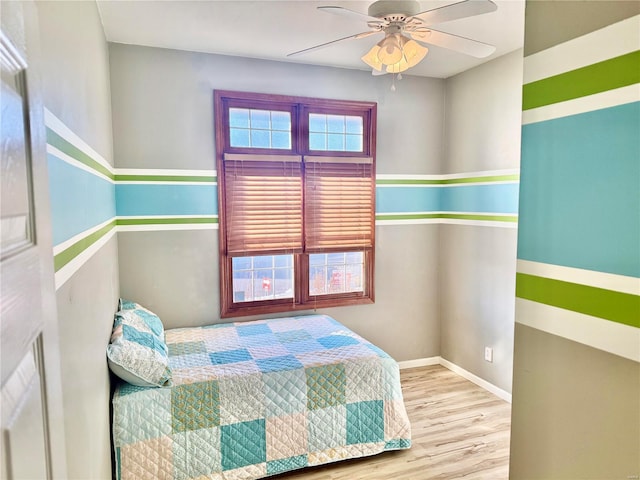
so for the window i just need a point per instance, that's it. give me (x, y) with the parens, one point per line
(296, 180)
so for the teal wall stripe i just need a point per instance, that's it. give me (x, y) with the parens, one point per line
(166, 199)
(488, 198)
(482, 199)
(579, 191)
(79, 200)
(407, 199)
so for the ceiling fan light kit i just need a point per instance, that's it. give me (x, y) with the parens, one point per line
(406, 28)
(395, 53)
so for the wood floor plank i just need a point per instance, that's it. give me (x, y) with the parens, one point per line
(459, 431)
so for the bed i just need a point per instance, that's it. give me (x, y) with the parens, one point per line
(253, 399)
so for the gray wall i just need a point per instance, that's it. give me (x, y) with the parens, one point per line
(163, 118)
(76, 90)
(576, 380)
(477, 263)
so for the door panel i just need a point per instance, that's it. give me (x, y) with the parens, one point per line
(28, 329)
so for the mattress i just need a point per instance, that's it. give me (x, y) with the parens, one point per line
(254, 399)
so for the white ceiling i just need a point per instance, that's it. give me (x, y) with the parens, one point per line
(271, 29)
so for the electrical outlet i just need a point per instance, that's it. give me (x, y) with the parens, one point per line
(488, 354)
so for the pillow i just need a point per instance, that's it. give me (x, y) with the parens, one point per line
(137, 352)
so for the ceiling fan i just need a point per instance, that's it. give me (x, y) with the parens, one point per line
(406, 29)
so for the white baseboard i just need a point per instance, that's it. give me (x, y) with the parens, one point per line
(423, 362)
(419, 362)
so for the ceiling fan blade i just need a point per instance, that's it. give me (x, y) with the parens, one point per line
(345, 12)
(465, 8)
(357, 36)
(454, 42)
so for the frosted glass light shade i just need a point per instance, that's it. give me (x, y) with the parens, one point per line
(395, 53)
(413, 53)
(371, 58)
(390, 49)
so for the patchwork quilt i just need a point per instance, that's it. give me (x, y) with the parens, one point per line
(254, 399)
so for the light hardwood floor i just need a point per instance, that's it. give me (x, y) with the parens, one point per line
(459, 431)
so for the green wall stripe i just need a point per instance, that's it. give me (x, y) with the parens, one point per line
(449, 181)
(454, 216)
(64, 257)
(602, 76)
(166, 178)
(74, 152)
(494, 178)
(485, 218)
(608, 304)
(165, 221)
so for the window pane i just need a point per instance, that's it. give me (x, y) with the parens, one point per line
(239, 137)
(318, 259)
(354, 257)
(317, 122)
(335, 141)
(260, 119)
(353, 143)
(333, 273)
(259, 128)
(281, 140)
(242, 263)
(317, 280)
(264, 277)
(317, 141)
(263, 261)
(283, 283)
(281, 121)
(335, 123)
(344, 132)
(239, 117)
(283, 260)
(354, 125)
(260, 138)
(335, 258)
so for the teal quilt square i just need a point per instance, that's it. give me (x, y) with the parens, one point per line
(336, 341)
(293, 336)
(196, 453)
(186, 348)
(259, 329)
(243, 444)
(286, 464)
(327, 428)
(276, 364)
(365, 422)
(230, 356)
(152, 410)
(285, 392)
(326, 386)
(195, 406)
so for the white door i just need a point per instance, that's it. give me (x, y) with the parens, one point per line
(27, 309)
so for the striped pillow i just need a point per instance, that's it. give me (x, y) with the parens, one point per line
(137, 352)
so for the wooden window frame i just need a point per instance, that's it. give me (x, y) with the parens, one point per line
(299, 107)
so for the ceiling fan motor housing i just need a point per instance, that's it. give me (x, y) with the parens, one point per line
(394, 10)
